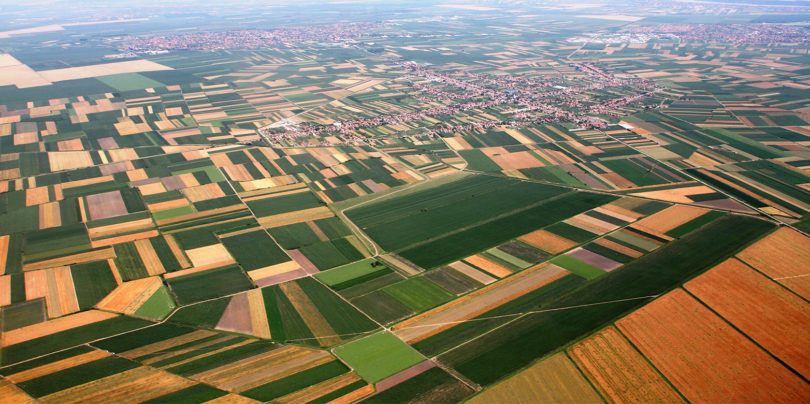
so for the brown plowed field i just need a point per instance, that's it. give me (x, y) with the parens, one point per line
(104, 205)
(3, 253)
(768, 313)
(80, 258)
(36, 196)
(49, 215)
(488, 266)
(678, 195)
(619, 248)
(705, 358)
(236, 317)
(784, 256)
(56, 286)
(11, 394)
(113, 229)
(354, 396)
(671, 218)
(53, 326)
(129, 296)
(619, 372)
(124, 239)
(547, 241)
(591, 224)
(57, 366)
(5, 290)
(203, 192)
(516, 161)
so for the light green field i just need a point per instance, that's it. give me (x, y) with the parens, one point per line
(378, 356)
(348, 272)
(578, 267)
(129, 82)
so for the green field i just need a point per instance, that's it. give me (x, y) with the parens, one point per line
(509, 348)
(382, 307)
(158, 306)
(209, 284)
(23, 314)
(418, 294)
(348, 275)
(77, 375)
(343, 318)
(378, 356)
(205, 314)
(197, 393)
(402, 221)
(434, 385)
(92, 281)
(129, 82)
(482, 237)
(188, 198)
(284, 204)
(128, 262)
(254, 250)
(297, 381)
(66, 339)
(330, 254)
(578, 267)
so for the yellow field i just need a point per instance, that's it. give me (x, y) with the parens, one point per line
(14, 72)
(56, 286)
(671, 218)
(313, 318)
(104, 69)
(554, 380)
(132, 386)
(49, 215)
(263, 368)
(53, 326)
(258, 314)
(130, 296)
(273, 270)
(52, 367)
(298, 216)
(209, 255)
(11, 394)
(149, 257)
(69, 160)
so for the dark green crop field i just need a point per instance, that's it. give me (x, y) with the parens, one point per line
(506, 349)
(399, 222)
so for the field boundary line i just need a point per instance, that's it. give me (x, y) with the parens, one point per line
(790, 277)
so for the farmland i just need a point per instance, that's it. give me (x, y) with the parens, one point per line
(349, 202)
